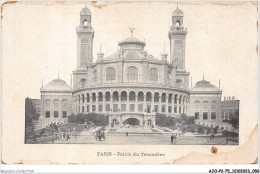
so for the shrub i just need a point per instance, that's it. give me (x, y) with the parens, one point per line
(164, 121)
(97, 119)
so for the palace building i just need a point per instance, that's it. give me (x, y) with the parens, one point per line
(131, 83)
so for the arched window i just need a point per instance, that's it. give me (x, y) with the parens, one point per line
(213, 105)
(83, 98)
(107, 96)
(132, 73)
(196, 105)
(64, 103)
(100, 96)
(115, 96)
(163, 97)
(110, 74)
(180, 99)
(170, 98)
(94, 76)
(132, 96)
(178, 23)
(175, 98)
(140, 96)
(85, 23)
(94, 97)
(205, 105)
(56, 103)
(47, 103)
(123, 96)
(83, 83)
(88, 97)
(148, 96)
(153, 75)
(156, 97)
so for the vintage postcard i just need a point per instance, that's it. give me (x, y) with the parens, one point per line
(129, 82)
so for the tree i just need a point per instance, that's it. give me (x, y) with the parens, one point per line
(30, 115)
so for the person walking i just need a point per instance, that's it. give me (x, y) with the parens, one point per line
(172, 137)
(175, 139)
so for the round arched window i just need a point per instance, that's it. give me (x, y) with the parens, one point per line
(178, 23)
(110, 74)
(132, 73)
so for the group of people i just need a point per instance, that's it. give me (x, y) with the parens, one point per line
(64, 136)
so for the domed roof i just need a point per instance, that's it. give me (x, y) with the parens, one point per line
(131, 39)
(204, 85)
(177, 12)
(85, 11)
(57, 85)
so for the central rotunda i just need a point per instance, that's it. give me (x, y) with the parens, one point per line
(131, 84)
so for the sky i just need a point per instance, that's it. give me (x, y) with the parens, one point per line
(40, 40)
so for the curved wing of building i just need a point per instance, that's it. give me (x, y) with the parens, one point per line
(131, 83)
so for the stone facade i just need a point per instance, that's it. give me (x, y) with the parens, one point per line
(56, 99)
(131, 83)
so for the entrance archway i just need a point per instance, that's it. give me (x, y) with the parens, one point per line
(132, 121)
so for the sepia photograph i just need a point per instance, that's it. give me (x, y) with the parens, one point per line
(129, 82)
(132, 97)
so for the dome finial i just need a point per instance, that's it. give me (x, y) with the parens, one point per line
(132, 30)
(203, 76)
(59, 74)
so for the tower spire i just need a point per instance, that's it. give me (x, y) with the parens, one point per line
(203, 76)
(59, 74)
(100, 47)
(219, 84)
(42, 83)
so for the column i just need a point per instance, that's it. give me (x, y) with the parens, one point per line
(136, 104)
(110, 101)
(104, 104)
(127, 103)
(160, 104)
(152, 102)
(96, 103)
(86, 103)
(177, 105)
(145, 103)
(90, 103)
(166, 103)
(119, 101)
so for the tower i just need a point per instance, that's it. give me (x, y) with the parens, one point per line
(177, 36)
(85, 34)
